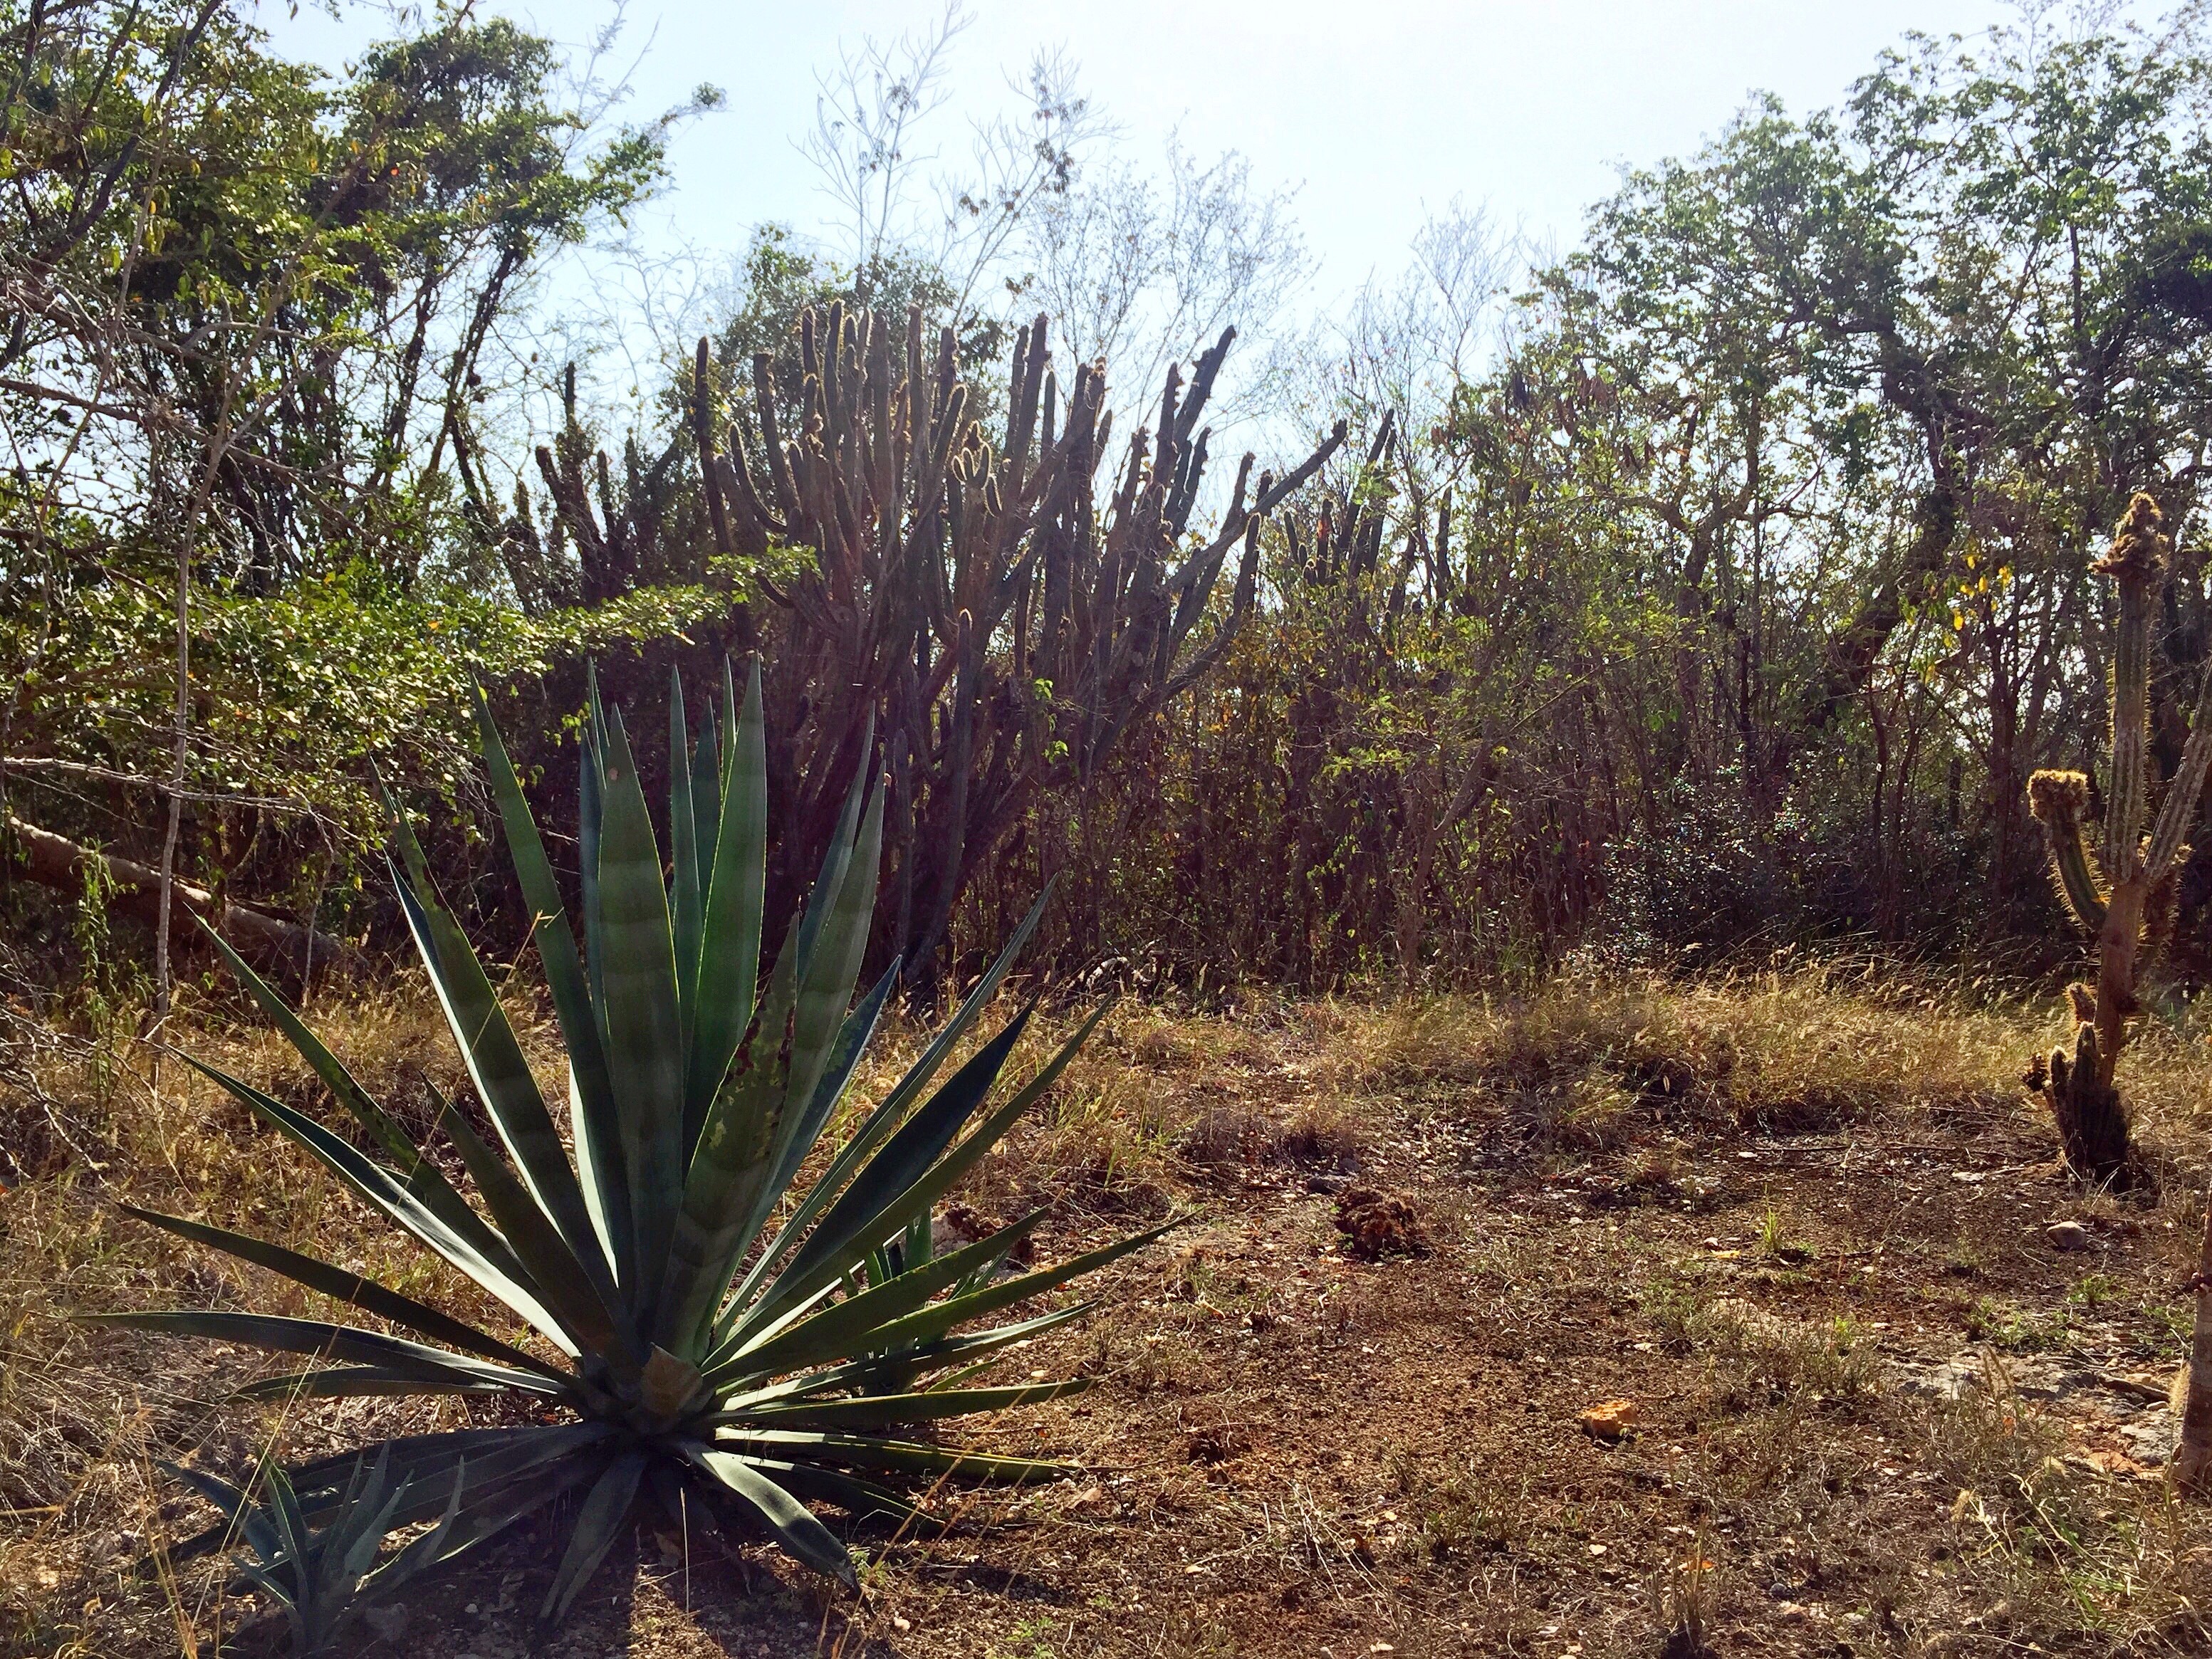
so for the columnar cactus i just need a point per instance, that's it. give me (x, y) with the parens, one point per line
(2124, 899)
(1004, 608)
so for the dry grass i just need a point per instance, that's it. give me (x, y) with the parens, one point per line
(1806, 1051)
(1618, 1105)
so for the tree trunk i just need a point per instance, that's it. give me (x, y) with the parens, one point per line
(2192, 1464)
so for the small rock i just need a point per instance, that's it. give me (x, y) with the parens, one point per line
(2109, 1462)
(1608, 1419)
(2067, 1236)
(389, 1623)
(2148, 1387)
(2153, 1437)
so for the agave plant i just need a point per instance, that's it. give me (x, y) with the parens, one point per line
(322, 1576)
(720, 1331)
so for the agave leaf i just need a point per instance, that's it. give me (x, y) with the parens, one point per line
(598, 1143)
(726, 1215)
(425, 1551)
(923, 1407)
(845, 1055)
(591, 815)
(837, 856)
(891, 1112)
(505, 1277)
(560, 1279)
(897, 1456)
(283, 1591)
(957, 1379)
(314, 1336)
(794, 1525)
(729, 965)
(686, 902)
(862, 1500)
(910, 1152)
(349, 1545)
(422, 1177)
(830, 961)
(730, 1168)
(283, 1509)
(502, 1077)
(598, 1523)
(927, 1324)
(606, 1190)
(240, 1517)
(364, 1381)
(836, 1253)
(645, 1040)
(884, 1373)
(352, 1289)
(845, 1326)
(706, 808)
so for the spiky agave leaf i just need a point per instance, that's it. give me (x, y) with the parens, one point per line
(321, 1577)
(716, 1331)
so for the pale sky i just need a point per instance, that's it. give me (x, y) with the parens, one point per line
(1377, 111)
(1377, 115)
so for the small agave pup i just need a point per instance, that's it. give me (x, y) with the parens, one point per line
(723, 1334)
(323, 1578)
(2123, 902)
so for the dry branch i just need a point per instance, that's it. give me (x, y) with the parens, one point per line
(270, 941)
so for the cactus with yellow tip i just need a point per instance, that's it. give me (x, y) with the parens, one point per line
(2123, 895)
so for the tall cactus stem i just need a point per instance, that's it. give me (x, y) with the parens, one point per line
(2136, 564)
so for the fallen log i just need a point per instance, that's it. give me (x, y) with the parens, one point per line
(267, 941)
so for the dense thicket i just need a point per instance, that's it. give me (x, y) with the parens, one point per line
(1723, 581)
(1741, 598)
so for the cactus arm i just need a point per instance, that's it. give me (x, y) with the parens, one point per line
(2179, 810)
(2059, 800)
(2077, 883)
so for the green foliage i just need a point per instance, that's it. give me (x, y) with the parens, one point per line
(299, 692)
(324, 1577)
(724, 1327)
(256, 306)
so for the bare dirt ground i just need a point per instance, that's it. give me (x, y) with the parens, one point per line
(1876, 1405)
